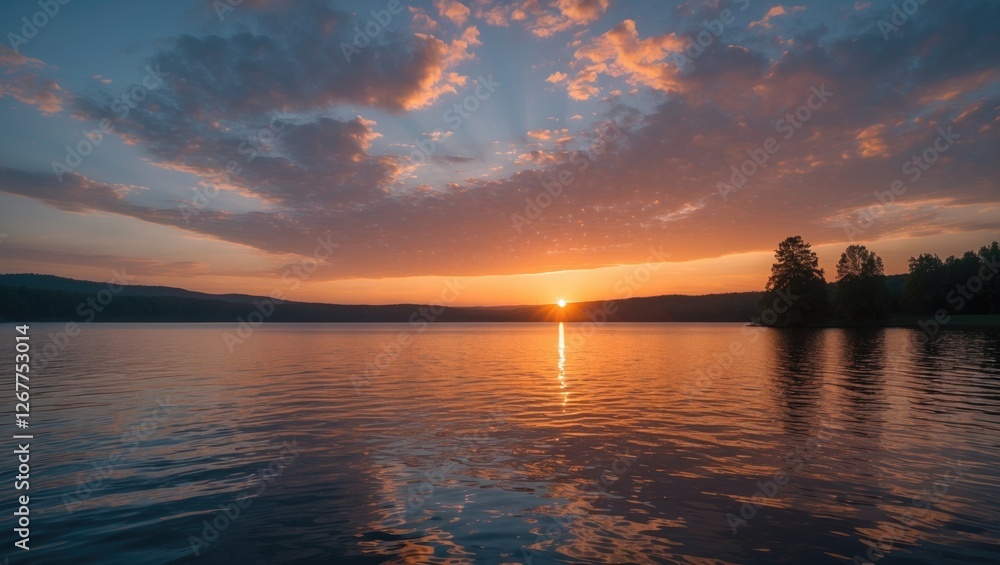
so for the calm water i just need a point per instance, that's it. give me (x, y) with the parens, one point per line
(510, 443)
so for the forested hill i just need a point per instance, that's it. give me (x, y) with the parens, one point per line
(52, 282)
(41, 298)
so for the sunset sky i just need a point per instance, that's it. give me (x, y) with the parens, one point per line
(411, 140)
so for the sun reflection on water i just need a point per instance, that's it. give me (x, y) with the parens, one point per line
(562, 364)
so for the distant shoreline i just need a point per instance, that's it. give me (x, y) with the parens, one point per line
(957, 322)
(47, 298)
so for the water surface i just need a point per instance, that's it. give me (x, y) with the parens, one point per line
(510, 443)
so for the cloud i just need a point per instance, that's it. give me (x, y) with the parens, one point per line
(545, 19)
(304, 59)
(439, 135)
(496, 16)
(547, 134)
(650, 179)
(21, 82)
(556, 77)
(454, 159)
(872, 142)
(582, 12)
(683, 212)
(134, 266)
(422, 22)
(10, 58)
(455, 11)
(774, 12)
(570, 13)
(538, 157)
(621, 53)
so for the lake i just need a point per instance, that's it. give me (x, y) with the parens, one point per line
(511, 443)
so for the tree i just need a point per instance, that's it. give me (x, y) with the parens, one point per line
(923, 284)
(796, 290)
(861, 292)
(990, 256)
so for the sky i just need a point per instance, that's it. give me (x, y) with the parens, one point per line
(519, 152)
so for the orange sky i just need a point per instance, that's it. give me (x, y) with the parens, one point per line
(158, 257)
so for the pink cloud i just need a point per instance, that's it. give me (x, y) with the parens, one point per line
(556, 77)
(546, 20)
(422, 22)
(455, 11)
(621, 53)
(547, 134)
(582, 12)
(26, 85)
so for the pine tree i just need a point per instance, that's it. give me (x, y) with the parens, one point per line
(796, 291)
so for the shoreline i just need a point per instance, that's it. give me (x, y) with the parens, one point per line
(983, 321)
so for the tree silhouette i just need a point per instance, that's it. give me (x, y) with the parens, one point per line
(923, 284)
(796, 290)
(861, 292)
(990, 256)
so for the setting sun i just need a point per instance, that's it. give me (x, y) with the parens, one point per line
(561, 303)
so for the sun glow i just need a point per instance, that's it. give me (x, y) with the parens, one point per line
(561, 303)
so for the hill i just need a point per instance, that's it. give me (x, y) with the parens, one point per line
(48, 298)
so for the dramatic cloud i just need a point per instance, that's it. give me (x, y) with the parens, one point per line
(846, 112)
(306, 59)
(620, 53)
(543, 19)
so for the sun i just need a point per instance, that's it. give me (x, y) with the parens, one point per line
(561, 303)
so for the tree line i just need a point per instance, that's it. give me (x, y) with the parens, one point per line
(798, 294)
